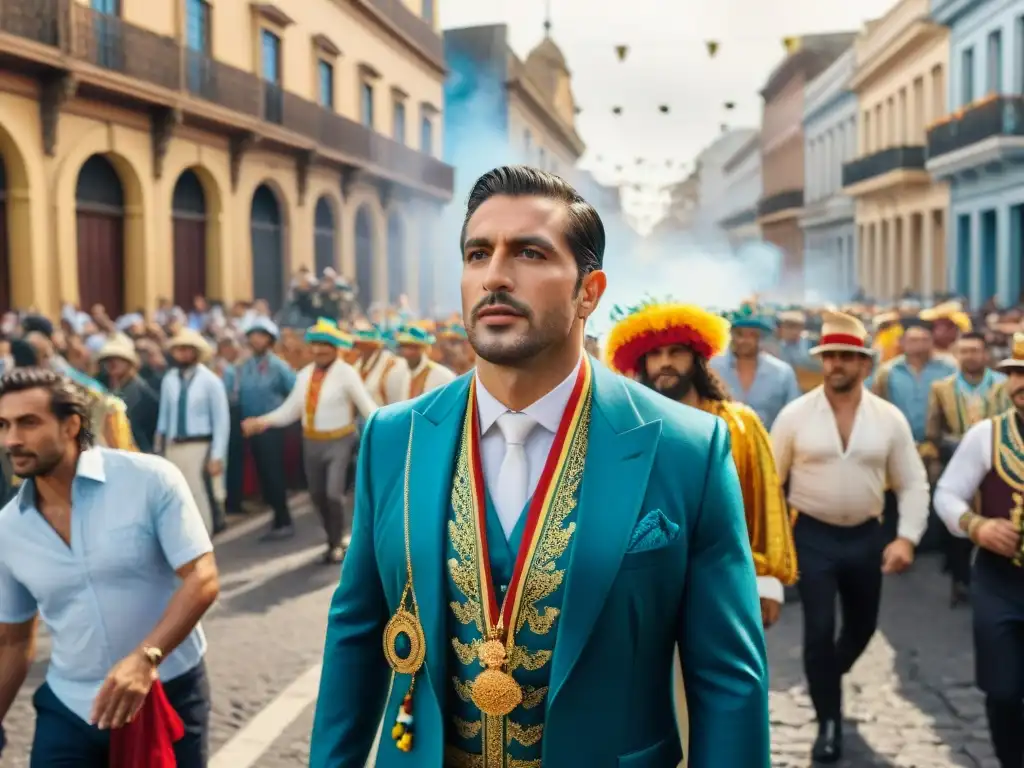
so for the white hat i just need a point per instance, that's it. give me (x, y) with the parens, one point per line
(186, 337)
(1015, 362)
(842, 333)
(121, 347)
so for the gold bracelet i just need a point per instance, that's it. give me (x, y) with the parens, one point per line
(965, 521)
(975, 526)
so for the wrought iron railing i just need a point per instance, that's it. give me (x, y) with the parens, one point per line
(780, 201)
(999, 116)
(892, 159)
(112, 44)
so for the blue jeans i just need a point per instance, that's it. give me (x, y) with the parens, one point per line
(64, 740)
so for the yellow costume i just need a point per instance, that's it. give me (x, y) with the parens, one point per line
(768, 520)
(642, 329)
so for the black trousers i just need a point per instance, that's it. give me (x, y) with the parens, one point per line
(64, 740)
(234, 479)
(843, 563)
(268, 455)
(997, 600)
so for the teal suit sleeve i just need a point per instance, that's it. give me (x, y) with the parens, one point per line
(354, 681)
(720, 635)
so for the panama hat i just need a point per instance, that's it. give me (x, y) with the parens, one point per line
(842, 333)
(186, 337)
(1015, 362)
(120, 347)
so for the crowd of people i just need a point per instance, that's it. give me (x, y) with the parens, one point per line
(561, 511)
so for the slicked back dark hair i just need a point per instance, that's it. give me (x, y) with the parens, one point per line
(67, 398)
(585, 231)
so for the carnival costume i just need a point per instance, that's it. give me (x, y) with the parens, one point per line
(650, 326)
(384, 374)
(428, 375)
(507, 650)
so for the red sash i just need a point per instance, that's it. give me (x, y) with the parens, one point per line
(148, 740)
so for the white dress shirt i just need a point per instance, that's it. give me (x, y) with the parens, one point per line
(971, 461)
(847, 487)
(547, 412)
(341, 395)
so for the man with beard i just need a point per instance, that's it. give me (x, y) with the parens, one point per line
(667, 347)
(956, 404)
(108, 547)
(569, 529)
(835, 446)
(756, 378)
(989, 462)
(414, 345)
(194, 424)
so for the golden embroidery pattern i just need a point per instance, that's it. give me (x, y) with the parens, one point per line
(465, 728)
(542, 580)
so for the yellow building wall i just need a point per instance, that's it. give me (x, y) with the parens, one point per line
(41, 189)
(559, 158)
(42, 212)
(895, 105)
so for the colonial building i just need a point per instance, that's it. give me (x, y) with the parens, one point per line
(900, 82)
(214, 147)
(501, 109)
(715, 182)
(741, 177)
(978, 148)
(683, 207)
(830, 139)
(782, 152)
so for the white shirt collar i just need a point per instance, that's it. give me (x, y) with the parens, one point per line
(547, 411)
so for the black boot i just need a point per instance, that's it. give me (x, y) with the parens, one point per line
(828, 747)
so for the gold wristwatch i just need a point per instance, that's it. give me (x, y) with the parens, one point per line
(153, 655)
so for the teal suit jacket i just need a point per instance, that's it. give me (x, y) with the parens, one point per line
(624, 612)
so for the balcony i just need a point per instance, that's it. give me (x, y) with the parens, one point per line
(893, 167)
(104, 57)
(986, 134)
(780, 206)
(397, 17)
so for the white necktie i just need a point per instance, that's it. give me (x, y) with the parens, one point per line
(514, 476)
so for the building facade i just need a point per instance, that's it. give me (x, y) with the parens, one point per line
(782, 153)
(714, 182)
(978, 148)
(900, 211)
(741, 178)
(830, 139)
(501, 109)
(216, 147)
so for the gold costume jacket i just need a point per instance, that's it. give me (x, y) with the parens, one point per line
(951, 414)
(768, 519)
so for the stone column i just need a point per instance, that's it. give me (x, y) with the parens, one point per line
(1005, 283)
(911, 260)
(927, 254)
(974, 295)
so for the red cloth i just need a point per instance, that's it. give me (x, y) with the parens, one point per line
(148, 740)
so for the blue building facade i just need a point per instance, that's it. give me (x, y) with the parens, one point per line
(979, 148)
(830, 139)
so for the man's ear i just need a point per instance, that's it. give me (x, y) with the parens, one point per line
(591, 291)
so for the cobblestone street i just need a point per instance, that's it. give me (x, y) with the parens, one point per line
(910, 701)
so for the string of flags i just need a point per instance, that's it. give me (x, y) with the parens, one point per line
(789, 44)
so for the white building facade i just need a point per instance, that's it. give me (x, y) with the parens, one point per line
(741, 187)
(830, 139)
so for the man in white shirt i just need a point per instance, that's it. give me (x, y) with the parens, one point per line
(425, 375)
(326, 396)
(384, 374)
(989, 464)
(835, 445)
(544, 459)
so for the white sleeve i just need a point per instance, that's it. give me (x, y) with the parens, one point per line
(959, 483)
(770, 588)
(909, 478)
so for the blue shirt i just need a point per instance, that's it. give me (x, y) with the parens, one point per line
(773, 388)
(260, 384)
(206, 412)
(909, 390)
(133, 524)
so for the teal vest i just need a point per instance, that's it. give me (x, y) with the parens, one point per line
(514, 741)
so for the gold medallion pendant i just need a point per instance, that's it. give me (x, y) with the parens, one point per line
(405, 644)
(495, 692)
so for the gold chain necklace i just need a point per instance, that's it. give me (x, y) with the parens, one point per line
(405, 629)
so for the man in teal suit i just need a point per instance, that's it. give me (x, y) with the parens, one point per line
(533, 540)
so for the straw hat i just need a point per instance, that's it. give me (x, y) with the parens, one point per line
(186, 337)
(842, 333)
(1015, 362)
(120, 347)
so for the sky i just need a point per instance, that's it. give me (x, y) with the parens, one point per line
(667, 63)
